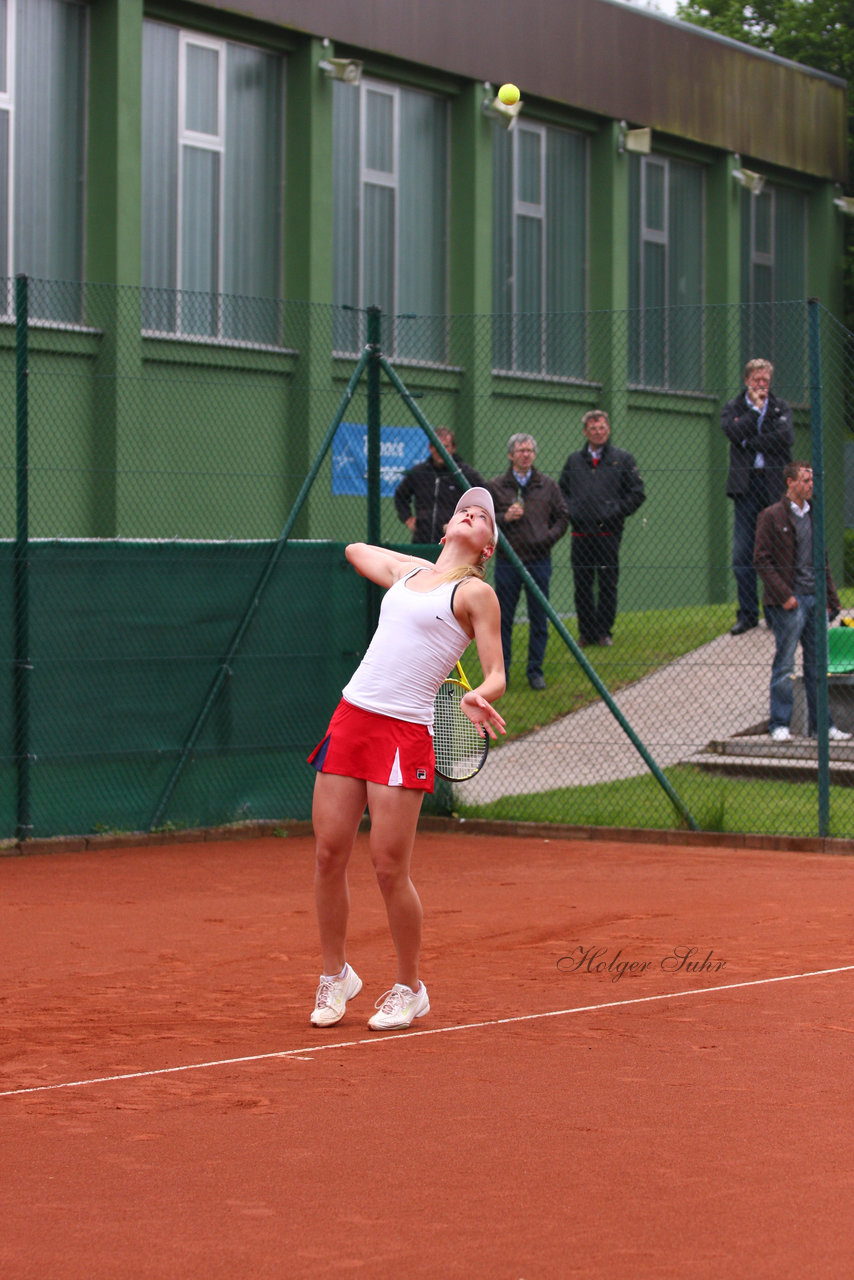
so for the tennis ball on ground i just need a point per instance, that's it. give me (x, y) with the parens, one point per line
(508, 94)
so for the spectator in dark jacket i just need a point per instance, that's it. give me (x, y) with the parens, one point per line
(783, 557)
(530, 512)
(428, 494)
(602, 487)
(761, 434)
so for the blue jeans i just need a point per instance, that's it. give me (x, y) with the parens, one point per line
(746, 510)
(791, 626)
(508, 587)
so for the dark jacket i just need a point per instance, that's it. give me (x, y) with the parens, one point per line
(600, 498)
(775, 552)
(739, 422)
(545, 520)
(435, 494)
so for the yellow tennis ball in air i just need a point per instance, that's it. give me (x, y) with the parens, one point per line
(508, 94)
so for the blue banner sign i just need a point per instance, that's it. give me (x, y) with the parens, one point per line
(400, 449)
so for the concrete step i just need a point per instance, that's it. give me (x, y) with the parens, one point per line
(795, 749)
(796, 760)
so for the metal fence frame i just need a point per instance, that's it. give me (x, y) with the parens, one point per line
(372, 363)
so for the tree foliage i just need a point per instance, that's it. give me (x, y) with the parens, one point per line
(819, 33)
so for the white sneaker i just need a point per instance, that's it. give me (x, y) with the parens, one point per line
(838, 735)
(781, 733)
(398, 1008)
(332, 996)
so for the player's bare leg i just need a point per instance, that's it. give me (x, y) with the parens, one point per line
(337, 809)
(394, 816)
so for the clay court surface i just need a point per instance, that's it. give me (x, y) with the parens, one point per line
(167, 1111)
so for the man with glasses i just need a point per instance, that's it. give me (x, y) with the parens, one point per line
(532, 515)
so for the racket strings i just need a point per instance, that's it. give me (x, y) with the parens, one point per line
(460, 750)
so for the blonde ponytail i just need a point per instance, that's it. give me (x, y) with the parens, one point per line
(463, 571)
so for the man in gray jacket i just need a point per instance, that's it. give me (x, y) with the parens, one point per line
(530, 512)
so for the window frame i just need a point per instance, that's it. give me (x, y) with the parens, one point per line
(650, 235)
(786, 347)
(539, 211)
(535, 213)
(7, 104)
(392, 180)
(757, 257)
(63, 310)
(186, 139)
(380, 178)
(214, 143)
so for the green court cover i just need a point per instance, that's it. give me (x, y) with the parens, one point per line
(840, 648)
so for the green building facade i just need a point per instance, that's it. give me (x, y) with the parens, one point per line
(206, 210)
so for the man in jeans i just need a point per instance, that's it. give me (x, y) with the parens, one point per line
(531, 513)
(783, 557)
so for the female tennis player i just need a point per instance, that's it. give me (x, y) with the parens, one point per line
(378, 748)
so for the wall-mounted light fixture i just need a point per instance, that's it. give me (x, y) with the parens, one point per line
(753, 182)
(846, 204)
(347, 69)
(637, 140)
(495, 109)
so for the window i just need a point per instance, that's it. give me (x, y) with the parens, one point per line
(665, 273)
(773, 284)
(539, 250)
(42, 150)
(390, 217)
(212, 171)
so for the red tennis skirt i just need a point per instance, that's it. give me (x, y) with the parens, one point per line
(363, 744)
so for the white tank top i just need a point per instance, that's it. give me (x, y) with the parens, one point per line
(415, 646)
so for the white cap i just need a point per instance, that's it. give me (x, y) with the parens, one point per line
(478, 497)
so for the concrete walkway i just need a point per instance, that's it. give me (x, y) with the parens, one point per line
(712, 693)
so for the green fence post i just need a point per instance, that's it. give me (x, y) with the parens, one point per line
(373, 425)
(819, 556)
(600, 688)
(374, 450)
(23, 666)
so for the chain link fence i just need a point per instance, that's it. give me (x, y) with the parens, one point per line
(178, 476)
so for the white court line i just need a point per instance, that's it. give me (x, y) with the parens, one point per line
(434, 1031)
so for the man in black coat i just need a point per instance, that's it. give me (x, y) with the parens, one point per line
(761, 433)
(602, 487)
(428, 494)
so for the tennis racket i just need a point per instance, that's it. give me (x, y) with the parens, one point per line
(460, 750)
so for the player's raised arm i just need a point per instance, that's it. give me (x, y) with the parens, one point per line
(382, 565)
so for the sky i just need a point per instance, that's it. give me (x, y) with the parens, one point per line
(667, 7)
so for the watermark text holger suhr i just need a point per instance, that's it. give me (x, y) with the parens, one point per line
(614, 965)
